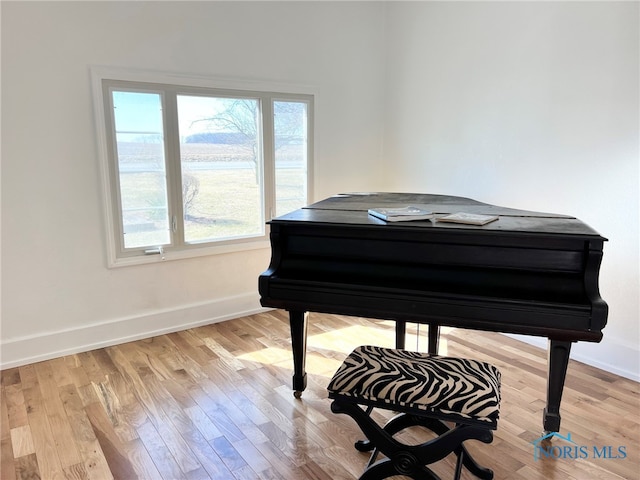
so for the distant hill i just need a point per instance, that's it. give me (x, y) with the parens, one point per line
(223, 138)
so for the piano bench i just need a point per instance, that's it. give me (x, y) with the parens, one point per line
(427, 391)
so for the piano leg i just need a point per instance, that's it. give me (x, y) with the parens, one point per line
(434, 338)
(558, 360)
(298, 323)
(401, 334)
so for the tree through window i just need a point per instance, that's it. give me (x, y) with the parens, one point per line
(194, 167)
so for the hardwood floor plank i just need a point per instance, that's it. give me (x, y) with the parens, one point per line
(15, 405)
(175, 443)
(181, 422)
(60, 371)
(150, 402)
(91, 367)
(10, 376)
(245, 473)
(112, 447)
(22, 441)
(111, 405)
(28, 377)
(141, 461)
(282, 444)
(185, 342)
(209, 404)
(44, 443)
(76, 472)
(206, 427)
(27, 468)
(252, 456)
(325, 466)
(79, 377)
(222, 413)
(282, 464)
(159, 453)
(178, 393)
(95, 464)
(64, 440)
(103, 363)
(243, 404)
(216, 402)
(124, 406)
(311, 470)
(7, 455)
(256, 392)
(227, 452)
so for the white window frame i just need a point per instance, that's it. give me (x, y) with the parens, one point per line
(267, 93)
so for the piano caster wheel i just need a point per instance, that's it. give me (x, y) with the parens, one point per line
(364, 446)
(297, 394)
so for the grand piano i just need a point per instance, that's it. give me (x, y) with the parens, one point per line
(527, 273)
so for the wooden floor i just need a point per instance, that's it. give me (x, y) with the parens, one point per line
(216, 402)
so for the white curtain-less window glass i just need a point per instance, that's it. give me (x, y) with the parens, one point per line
(142, 176)
(290, 131)
(221, 165)
(194, 169)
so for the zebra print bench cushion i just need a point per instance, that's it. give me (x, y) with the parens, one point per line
(443, 385)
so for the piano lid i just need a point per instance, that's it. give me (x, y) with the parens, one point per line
(351, 208)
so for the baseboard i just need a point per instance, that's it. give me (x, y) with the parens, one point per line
(39, 347)
(621, 359)
(609, 355)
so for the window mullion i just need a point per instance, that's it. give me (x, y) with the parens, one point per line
(268, 142)
(155, 136)
(310, 132)
(174, 169)
(116, 219)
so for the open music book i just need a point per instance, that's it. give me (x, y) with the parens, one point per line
(468, 218)
(402, 214)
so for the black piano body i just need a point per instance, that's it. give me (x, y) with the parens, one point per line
(527, 273)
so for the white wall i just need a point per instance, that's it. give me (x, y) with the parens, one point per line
(57, 294)
(530, 105)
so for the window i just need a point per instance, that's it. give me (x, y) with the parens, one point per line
(192, 169)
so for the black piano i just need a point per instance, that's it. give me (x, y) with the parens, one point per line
(526, 273)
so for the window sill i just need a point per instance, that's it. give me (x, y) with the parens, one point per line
(195, 252)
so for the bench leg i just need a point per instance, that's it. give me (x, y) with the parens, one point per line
(411, 460)
(387, 468)
(404, 420)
